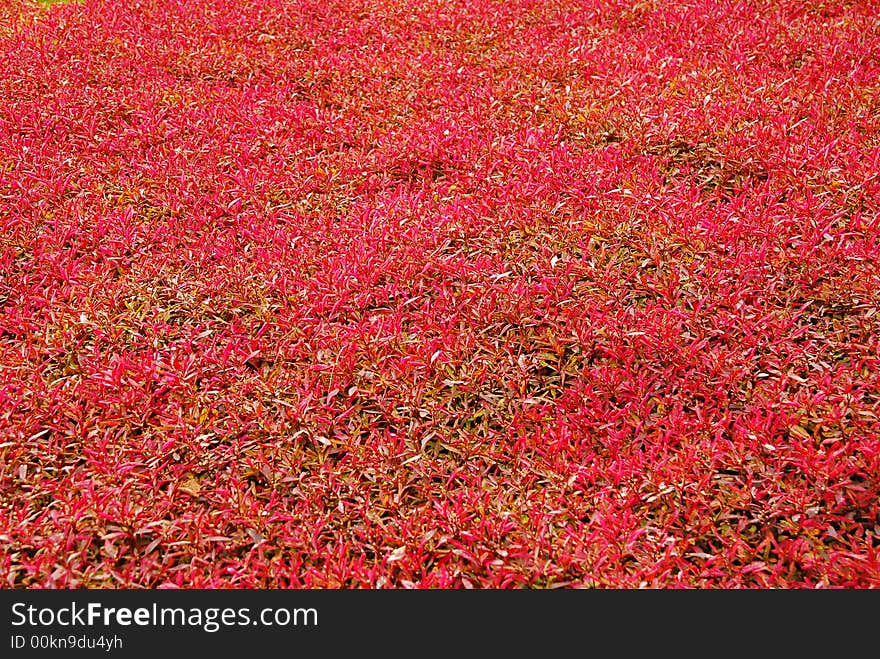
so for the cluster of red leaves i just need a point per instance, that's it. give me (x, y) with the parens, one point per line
(440, 293)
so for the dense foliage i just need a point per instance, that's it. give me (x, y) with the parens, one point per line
(440, 293)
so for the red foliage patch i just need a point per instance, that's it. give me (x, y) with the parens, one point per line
(449, 293)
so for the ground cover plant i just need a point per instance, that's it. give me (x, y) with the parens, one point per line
(440, 293)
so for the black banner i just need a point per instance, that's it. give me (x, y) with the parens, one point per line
(124, 623)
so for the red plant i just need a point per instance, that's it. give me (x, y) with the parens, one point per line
(447, 294)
